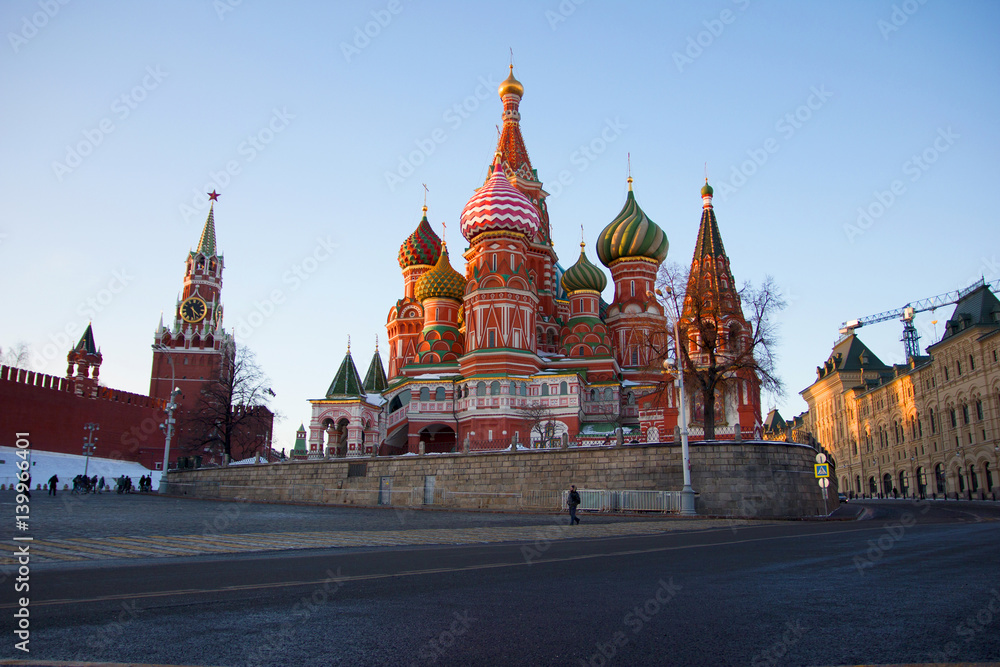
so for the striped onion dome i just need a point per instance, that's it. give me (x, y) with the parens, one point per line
(423, 246)
(499, 205)
(632, 234)
(441, 282)
(583, 275)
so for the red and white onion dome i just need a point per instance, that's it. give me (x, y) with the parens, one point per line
(498, 205)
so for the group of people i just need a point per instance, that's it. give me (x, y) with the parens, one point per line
(84, 484)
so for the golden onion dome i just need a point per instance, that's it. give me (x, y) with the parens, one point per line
(441, 282)
(511, 86)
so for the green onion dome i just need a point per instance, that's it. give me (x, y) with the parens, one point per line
(423, 246)
(441, 282)
(632, 234)
(583, 275)
(707, 191)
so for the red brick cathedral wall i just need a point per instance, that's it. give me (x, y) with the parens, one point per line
(47, 408)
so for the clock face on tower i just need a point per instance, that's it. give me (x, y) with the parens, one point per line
(194, 309)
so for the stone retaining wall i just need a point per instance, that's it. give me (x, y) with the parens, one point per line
(746, 479)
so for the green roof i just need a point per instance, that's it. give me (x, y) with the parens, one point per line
(86, 343)
(709, 237)
(300, 440)
(347, 382)
(850, 354)
(206, 244)
(583, 275)
(978, 308)
(632, 234)
(375, 382)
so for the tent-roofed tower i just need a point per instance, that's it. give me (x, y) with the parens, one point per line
(541, 256)
(194, 337)
(375, 380)
(346, 421)
(85, 365)
(713, 312)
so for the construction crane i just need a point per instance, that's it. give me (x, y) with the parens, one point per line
(905, 314)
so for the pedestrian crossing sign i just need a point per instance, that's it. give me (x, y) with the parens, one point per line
(822, 470)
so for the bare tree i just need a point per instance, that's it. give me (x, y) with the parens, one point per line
(538, 417)
(232, 413)
(16, 356)
(715, 346)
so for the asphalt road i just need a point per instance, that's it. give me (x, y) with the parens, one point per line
(906, 583)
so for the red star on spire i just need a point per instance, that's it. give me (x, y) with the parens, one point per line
(213, 195)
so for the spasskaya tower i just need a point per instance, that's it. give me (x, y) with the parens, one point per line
(193, 348)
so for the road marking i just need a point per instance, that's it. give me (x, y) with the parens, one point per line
(432, 571)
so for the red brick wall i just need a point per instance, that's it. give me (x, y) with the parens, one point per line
(45, 407)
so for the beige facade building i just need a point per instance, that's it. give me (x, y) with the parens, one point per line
(929, 428)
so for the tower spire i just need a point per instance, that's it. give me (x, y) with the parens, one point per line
(206, 244)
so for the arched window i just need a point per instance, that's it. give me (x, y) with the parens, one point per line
(481, 389)
(939, 477)
(545, 390)
(495, 388)
(425, 394)
(608, 394)
(439, 394)
(524, 389)
(563, 388)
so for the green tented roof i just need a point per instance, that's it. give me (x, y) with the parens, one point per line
(87, 341)
(347, 382)
(375, 381)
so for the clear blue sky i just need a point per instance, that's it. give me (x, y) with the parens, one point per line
(829, 101)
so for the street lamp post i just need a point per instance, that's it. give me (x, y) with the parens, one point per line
(89, 444)
(171, 406)
(168, 426)
(687, 493)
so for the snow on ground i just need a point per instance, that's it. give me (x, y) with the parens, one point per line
(68, 466)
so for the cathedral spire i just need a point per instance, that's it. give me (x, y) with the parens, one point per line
(510, 145)
(709, 238)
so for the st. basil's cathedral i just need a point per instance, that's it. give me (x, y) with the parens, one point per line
(518, 352)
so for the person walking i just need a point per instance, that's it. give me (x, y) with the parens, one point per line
(572, 501)
(53, 483)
